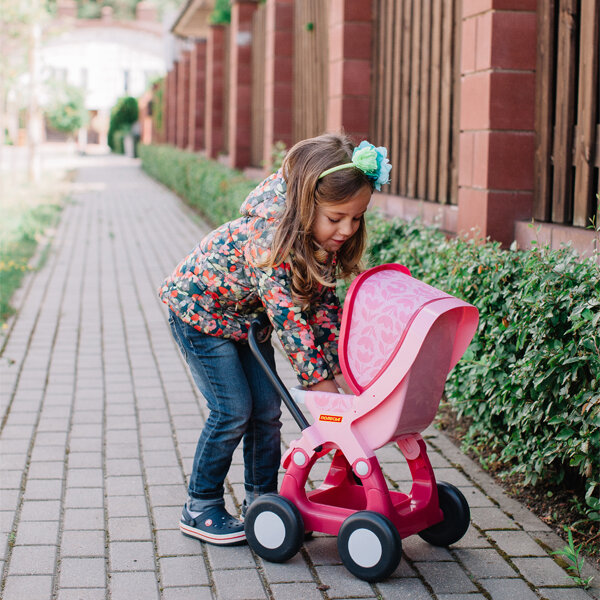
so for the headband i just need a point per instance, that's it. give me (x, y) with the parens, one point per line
(371, 161)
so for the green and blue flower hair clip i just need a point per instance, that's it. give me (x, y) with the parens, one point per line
(372, 161)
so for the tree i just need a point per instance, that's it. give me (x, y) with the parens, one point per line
(66, 110)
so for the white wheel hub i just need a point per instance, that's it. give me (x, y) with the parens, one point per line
(269, 530)
(365, 548)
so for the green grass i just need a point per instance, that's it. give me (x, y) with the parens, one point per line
(29, 211)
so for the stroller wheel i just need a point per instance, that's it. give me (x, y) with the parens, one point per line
(369, 545)
(274, 528)
(457, 517)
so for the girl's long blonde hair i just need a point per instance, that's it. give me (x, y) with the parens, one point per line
(312, 265)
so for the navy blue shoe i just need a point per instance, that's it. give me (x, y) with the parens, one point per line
(214, 525)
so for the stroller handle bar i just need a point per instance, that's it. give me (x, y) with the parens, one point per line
(255, 327)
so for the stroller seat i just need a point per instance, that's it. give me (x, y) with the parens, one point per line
(399, 340)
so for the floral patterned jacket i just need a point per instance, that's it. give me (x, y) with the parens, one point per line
(219, 289)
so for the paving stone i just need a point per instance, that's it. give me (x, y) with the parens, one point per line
(43, 489)
(45, 470)
(509, 589)
(476, 498)
(122, 450)
(186, 593)
(417, 549)
(293, 591)
(85, 478)
(563, 594)
(83, 543)
(187, 570)
(446, 577)
(82, 573)
(159, 459)
(168, 517)
(472, 539)
(83, 518)
(164, 476)
(43, 533)
(86, 445)
(171, 542)
(11, 480)
(129, 529)
(40, 510)
(294, 569)
(28, 587)
(84, 498)
(167, 495)
(461, 597)
(125, 466)
(323, 550)
(342, 584)
(126, 506)
(491, 518)
(32, 560)
(85, 460)
(81, 594)
(516, 543)
(128, 586)
(131, 556)
(42, 454)
(542, 571)
(484, 563)
(406, 589)
(124, 486)
(239, 584)
(223, 557)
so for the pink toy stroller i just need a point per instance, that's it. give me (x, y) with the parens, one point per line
(399, 340)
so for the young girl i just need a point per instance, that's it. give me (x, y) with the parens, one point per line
(300, 229)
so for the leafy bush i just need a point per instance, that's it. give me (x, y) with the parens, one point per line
(123, 115)
(66, 110)
(213, 189)
(529, 383)
(221, 14)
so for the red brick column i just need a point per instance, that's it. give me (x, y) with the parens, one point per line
(279, 76)
(495, 165)
(350, 31)
(197, 96)
(215, 73)
(171, 108)
(240, 83)
(183, 99)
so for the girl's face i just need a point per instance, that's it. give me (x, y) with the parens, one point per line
(336, 223)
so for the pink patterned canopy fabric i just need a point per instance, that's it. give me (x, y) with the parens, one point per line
(384, 305)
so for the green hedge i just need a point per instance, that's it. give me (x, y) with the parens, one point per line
(529, 384)
(530, 380)
(213, 189)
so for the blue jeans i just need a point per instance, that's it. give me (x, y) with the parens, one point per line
(242, 404)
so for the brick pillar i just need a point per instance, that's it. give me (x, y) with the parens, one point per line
(240, 83)
(496, 144)
(172, 105)
(279, 76)
(215, 73)
(183, 99)
(197, 96)
(350, 31)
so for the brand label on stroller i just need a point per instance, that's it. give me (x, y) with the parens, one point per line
(330, 418)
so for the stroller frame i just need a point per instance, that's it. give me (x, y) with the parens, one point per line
(395, 400)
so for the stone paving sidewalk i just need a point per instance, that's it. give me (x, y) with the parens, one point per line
(100, 421)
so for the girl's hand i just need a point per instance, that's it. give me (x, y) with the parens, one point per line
(331, 386)
(343, 384)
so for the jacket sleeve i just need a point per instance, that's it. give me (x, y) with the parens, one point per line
(325, 320)
(305, 349)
